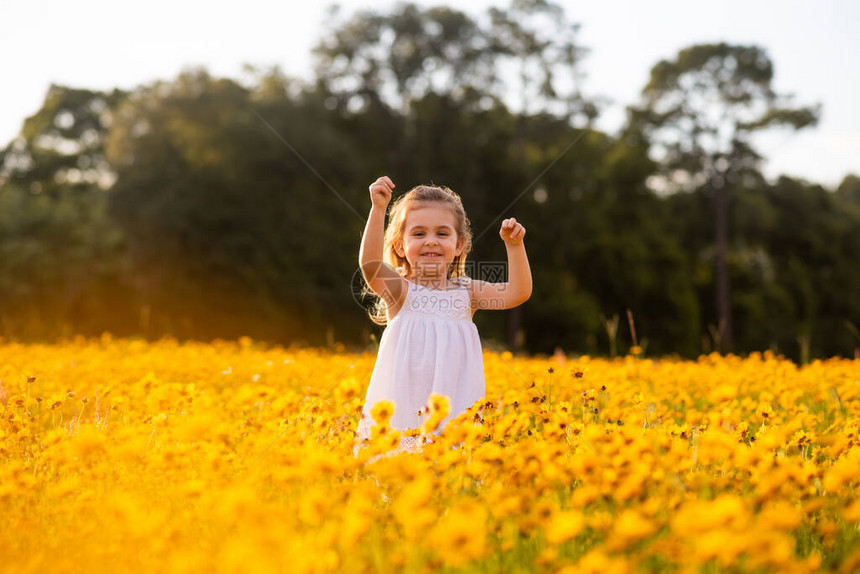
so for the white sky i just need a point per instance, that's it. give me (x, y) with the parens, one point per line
(100, 45)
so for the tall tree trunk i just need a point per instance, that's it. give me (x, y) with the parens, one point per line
(721, 232)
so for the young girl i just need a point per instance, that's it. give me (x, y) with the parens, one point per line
(430, 344)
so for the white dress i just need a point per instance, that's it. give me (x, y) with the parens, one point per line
(431, 346)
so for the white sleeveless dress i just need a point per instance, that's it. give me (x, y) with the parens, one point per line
(431, 346)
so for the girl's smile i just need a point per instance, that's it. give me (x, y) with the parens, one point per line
(430, 241)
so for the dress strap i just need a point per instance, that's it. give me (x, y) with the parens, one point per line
(462, 280)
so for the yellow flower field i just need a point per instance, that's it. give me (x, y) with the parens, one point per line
(120, 455)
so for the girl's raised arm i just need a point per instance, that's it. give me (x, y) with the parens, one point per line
(518, 288)
(383, 280)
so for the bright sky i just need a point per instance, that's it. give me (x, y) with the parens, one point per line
(101, 44)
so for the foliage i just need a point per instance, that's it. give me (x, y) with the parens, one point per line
(202, 207)
(699, 113)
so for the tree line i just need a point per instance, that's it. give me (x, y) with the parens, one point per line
(205, 207)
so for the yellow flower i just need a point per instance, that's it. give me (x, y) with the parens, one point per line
(845, 469)
(674, 454)
(382, 412)
(701, 516)
(851, 513)
(88, 441)
(771, 549)
(779, 515)
(439, 403)
(356, 520)
(412, 508)
(631, 527)
(720, 544)
(542, 512)
(765, 411)
(723, 392)
(438, 406)
(597, 562)
(461, 536)
(563, 526)
(585, 495)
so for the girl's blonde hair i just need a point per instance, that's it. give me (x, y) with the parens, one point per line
(417, 197)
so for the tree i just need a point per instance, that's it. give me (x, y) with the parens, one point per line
(229, 233)
(400, 57)
(535, 38)
(61, 255)
(848, 192)
(700, 112)
(61, 147)
(816, 248)
(412, 58)
(537, 57)
(528, 49)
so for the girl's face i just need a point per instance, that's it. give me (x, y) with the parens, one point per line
(430, 240)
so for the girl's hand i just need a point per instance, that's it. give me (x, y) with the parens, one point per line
(380, 191)
(512, 232)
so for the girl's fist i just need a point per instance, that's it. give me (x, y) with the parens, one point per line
(512, 232)
(380, 191)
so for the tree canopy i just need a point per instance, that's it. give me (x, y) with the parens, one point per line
(699, 113)
(202, 207)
